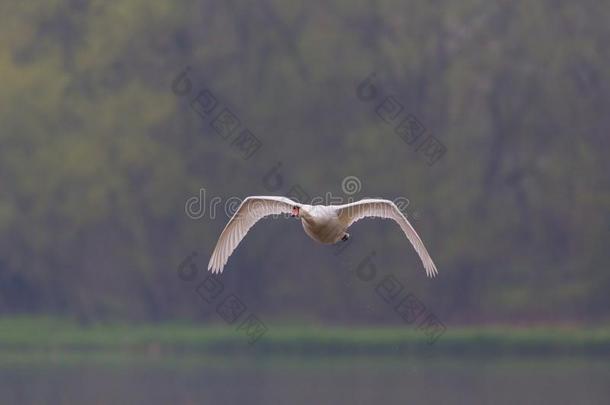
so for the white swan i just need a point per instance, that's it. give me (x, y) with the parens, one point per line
(326, 224)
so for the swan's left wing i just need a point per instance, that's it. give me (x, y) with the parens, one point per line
(350, 213)
(249, 212)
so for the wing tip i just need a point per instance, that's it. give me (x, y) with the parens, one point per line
(431, 271)
(214, 267)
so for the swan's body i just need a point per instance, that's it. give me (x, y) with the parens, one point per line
(322, 223)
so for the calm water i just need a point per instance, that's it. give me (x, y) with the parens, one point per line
(297, 380)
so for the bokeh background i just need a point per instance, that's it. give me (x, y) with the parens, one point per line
(101, 149)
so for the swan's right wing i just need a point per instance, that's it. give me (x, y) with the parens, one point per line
(350, 213)
(249, 212)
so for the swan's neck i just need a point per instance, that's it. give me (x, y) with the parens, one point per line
(305, 215)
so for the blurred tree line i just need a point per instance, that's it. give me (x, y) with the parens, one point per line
(98, 155)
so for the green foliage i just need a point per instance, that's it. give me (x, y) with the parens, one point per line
(63, 336)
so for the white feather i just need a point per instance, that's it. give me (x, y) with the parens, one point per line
(325, 224)
(378, 208)
(249, 212)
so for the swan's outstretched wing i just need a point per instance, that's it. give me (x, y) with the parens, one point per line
(249, 212)
(350, 213)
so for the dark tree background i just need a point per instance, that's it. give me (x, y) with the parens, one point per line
(98, 155)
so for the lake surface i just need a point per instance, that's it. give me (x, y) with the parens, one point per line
(114, 379)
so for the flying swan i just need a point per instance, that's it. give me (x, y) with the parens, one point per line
(323, 223)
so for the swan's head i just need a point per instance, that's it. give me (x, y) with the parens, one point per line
(296, 211)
